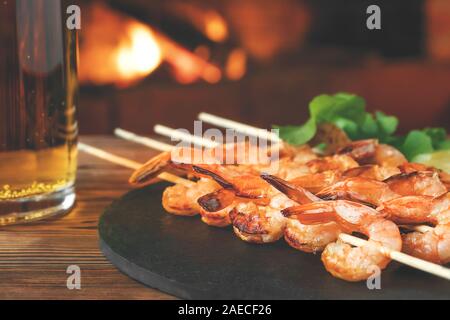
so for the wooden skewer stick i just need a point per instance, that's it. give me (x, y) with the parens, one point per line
(161, 146)
(395, 255)
(401, 257)
(183, 136)
(200, 141)
(151, 143)
(240, 127)
(109, 156)
(99, 153)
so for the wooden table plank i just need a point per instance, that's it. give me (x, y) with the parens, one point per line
(34, 258)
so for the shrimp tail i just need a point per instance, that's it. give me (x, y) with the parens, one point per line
(148, 172)
(216, 201)
(312, 213)
(219, 179)
(248, 186)
(296, 193)
(330, 193)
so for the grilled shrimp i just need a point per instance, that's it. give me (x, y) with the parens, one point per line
(182, 200)
(241, 156)
(372, 171)
(246, 185)
(411, 167)
(260, 224)
(426, 183)
(362, 150)
(376, 193)
(308, 238)
(388, 156)
(358, 189)
(300, 155)
(371, 152)
(433, 245)
(336, 162)
(285, 168)
(217, 207)
(314, 182)
(340, 259)
(408, 209)
(180, 160)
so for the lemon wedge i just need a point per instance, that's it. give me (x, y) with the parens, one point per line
(438, 159)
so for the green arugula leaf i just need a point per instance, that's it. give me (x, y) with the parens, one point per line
(437, 135)
(369, 128)
(350, 106)
(327, 108)
(298, 135)
(350, 127)
(343, 109)
(321, 108)
(444, 145)
(387, 124)
(416, 143)
(347, 112)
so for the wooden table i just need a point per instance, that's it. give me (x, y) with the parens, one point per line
(34, 258)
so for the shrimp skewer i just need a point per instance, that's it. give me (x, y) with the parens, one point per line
(240, 162)
(433, 244)
(412, 198)
(289, 161)
(340, 259)
(417, 263)
(384, 155)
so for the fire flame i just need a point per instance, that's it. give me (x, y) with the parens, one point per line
(215, 27)
(236, 66)
(139, 55)
(122, 51)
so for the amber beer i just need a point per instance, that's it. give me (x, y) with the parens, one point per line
(38, 128)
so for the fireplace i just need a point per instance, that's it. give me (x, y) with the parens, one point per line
(258, 61)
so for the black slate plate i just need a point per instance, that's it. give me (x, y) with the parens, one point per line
(184, 257)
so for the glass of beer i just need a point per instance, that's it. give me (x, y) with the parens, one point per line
(38, 97)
